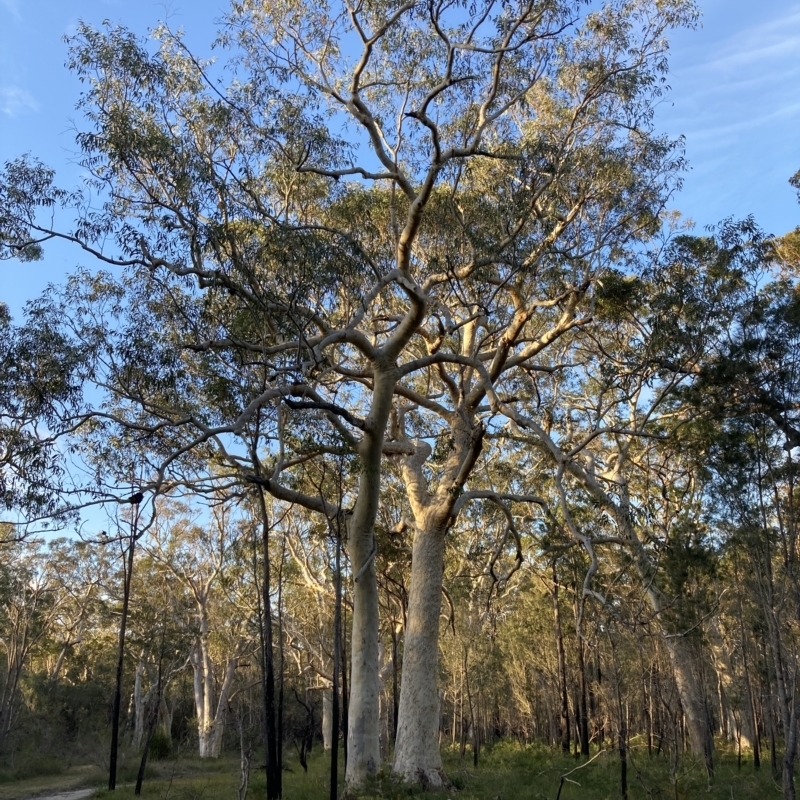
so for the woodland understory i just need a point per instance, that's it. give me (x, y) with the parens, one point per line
(392, 408)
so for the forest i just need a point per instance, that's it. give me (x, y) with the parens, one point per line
(393, 425)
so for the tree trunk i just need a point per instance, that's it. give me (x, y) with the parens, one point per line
(327, 719)
(385, 700)
(749, 713)
(562, 667)
(363, 740)
(165, 714)
(727, 689)
(210, 723)
(680, 655)
(395, 685)
(789, 754)
(333, 788)
(582, 705)
(417, 755)
(153, 716)
(271, 757)
(691, 698)
(126, 593)
(700, 738)
(363, 745)
(139, 705)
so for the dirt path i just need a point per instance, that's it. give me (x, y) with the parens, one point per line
(70, 784)
(78, 794)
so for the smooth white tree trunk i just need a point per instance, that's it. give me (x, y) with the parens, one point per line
(139, 705)
(417, 756)
(363, 733)
(363, 745)
(210, 716)
(385, 702)
(327, 719)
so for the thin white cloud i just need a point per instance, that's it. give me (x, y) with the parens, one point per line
(734, 129)
(775, 39)
(12, 6)
(746, 80)
(736, 98)
(15, 101)
(758, 47)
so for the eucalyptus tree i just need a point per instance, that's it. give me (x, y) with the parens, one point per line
(619, 438)
(197, 555)
(746, 396)
(80, 569)
(283, 284)
(39, 388)
(518, 250)
(30, 604)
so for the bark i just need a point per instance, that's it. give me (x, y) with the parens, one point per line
(126, 593)
(210, 719)
(272, 758)
(327, 719)
(417, 756)
(562, 667)
(363, 735)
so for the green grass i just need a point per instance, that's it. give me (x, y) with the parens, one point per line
(506, 771)
(189, 778)
(512, 772)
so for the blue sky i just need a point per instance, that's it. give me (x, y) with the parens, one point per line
(735, 97)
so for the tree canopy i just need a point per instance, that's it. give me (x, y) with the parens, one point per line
(396, 282)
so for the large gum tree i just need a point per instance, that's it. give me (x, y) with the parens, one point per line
(365, 202)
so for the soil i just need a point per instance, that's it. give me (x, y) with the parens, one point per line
(77, 794)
